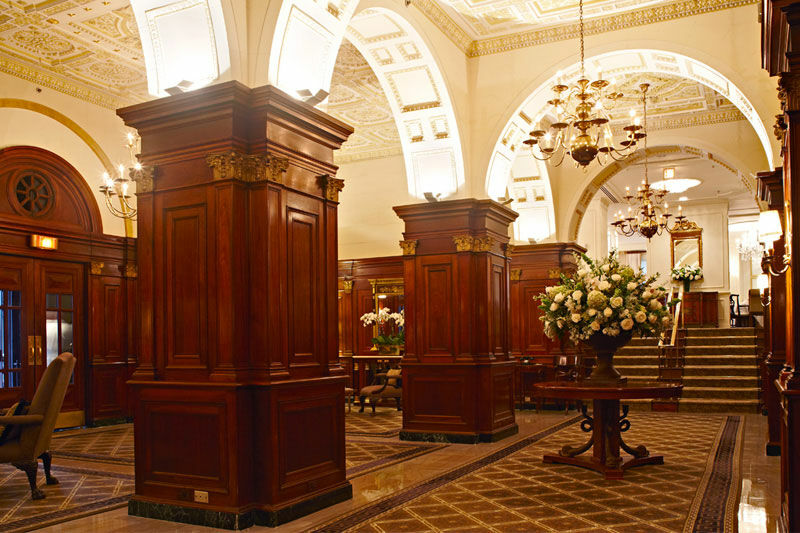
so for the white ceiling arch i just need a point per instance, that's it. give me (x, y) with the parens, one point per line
(614, 63)
(305, 47)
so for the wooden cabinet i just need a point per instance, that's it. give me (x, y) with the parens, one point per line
(699, 309)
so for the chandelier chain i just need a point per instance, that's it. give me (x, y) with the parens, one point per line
(581, 32)
(644, 112)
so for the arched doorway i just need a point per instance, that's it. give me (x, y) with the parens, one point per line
(59, 291)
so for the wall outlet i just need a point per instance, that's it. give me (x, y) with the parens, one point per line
(201, 496)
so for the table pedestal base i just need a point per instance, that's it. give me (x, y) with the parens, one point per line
(606, 426)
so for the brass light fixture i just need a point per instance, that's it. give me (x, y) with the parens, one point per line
(119, 186)
(581, 127)
(648, 214)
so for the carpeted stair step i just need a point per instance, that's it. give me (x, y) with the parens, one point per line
(630, 360)
(721, 360)
(720, 393)
(720, 370)
(705, 405)
(646, 341)
(721, 381)
(720, 350)
(726, 340)
(720, 332)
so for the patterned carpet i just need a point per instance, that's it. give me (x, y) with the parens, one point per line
(511, 490)
(386, 422)
(80, 492)
(115, 445)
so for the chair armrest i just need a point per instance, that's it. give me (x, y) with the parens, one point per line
(21, 420)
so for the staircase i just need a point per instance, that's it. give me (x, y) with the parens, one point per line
(720, 374)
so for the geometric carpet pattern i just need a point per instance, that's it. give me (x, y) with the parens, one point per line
(386, 422)
(113, 444)
(80, 492)
(696, 489)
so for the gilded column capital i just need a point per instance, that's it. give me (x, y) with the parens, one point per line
(482, 244)
(331, 187)
(515, 274)
(789, 91)
(143, 178)
(247, 167)
(348, 286)
(510, 250)
(409, 247)
(554, 273)
(131, 271)
(463, 243)
(96, 268)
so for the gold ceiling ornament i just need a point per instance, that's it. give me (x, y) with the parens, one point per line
(648, 214)
(119, 186)
(581, 126)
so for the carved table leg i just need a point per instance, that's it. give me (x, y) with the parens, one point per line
(624, 425)
(586, 425)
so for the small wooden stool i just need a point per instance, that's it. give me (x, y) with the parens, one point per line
(350, 397)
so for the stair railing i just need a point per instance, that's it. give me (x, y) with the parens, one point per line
(672, 344)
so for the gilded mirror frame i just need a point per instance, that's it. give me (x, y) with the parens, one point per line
(684, 232)
(388, 287)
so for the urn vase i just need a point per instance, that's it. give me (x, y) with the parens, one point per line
(605, 347)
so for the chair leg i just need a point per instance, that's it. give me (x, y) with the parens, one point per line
(372, 402)
(361, 402)
(46, 460)
(399, 405)
(30, 468)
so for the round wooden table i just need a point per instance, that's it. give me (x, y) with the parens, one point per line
(607, 423)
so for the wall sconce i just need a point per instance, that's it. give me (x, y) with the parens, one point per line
(769, 231)
(762, 283)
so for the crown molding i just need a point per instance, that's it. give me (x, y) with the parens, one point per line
(524, 39)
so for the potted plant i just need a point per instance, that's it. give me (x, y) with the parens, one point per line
(687, 274)
(603, 305)
(391, 336)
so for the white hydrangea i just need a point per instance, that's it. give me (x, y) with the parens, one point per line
(604, 285)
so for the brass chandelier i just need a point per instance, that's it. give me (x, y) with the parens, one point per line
(581, 127)
(648, 214)
(118, 187)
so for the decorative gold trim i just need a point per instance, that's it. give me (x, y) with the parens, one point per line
(409, 247)
(331, 187)
(347, 284)
(96, 267)
(277, 168)
(619, 21)
(684, 231)
(510, 250)
(387, 286)
(515, 274)
(554, 273)
(463, 243)
(238, 166)
(420, 106)
(482, 244)
(131, 271)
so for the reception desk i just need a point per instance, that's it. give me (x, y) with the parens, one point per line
(700, 309)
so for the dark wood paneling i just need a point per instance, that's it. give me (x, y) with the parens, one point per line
(700, 309)
(238, 302)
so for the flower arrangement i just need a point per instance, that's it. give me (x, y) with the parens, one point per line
(387, 335)
(604, 297)
(687, 273)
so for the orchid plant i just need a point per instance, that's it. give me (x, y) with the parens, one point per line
(383, 317)
(604, 297)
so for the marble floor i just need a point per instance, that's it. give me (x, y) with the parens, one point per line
(758, 509)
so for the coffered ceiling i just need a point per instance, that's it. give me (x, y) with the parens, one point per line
(92, 43)
(499, 17)
(358, 99)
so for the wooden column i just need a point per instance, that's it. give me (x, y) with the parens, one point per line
(457, 371)
(781, 35)
(534, 267)
(237, 277)
(770, 190)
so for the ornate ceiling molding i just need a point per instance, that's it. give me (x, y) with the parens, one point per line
(534, 37)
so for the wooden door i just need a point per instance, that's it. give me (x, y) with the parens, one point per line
(42, 314)
(59, 315)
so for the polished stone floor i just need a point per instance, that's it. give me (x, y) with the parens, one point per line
(758, 509)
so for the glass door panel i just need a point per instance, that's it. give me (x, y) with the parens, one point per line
(17, 335)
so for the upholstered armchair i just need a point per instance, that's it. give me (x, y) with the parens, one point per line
(31, 440)
(387, 385)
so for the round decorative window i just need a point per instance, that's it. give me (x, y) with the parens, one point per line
(33, 194)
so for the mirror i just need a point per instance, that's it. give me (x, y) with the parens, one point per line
(388, 294)
(687, 246)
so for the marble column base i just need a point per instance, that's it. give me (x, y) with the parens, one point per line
(236, 521)
(459, 438)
